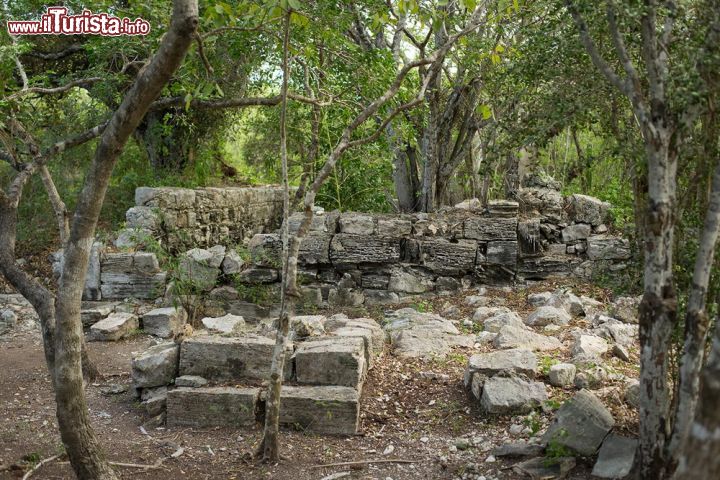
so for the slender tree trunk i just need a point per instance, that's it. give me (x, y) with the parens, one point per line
(270, 446)
(81, 444)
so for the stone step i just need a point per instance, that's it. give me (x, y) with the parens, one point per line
(219, 358)
(164, 322)
(331, 361)
(329, 410)
(212, 406)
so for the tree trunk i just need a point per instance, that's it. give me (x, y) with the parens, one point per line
(80, 442)
(165, 140)
(658, 312)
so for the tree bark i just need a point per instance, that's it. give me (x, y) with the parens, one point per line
(81, 444)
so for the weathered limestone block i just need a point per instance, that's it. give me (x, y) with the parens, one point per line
(502, 253)
(511, 395)
(303, 326)
(408, 281)
(200, 267)
(265, 249)
(142, 217)
(331, 361)
(315, 248)
(580, 424)
(578, 231)
(345, 297)
(164, 322)
(136, 275)
(546, 315)
(227, 324)
(91, 290)
(538, 268)
(232, 263)
(626, 309)
(380, 297)
(318, 223)
(114, 327)
(490, 228)
(562, 374)
(357, 223)
(607, 247)
(212, 406)
(227, 358)
(587, 209)
(589, 348)
(615, 458)
(93, 312)
(330, 410)
(156, 366)
(530, 237)
(443, 256)
(503, 208)
(499, 319)
(514, 336)
(394, 227)
(504, 362)
(193, 381)
(546, 203)
(375, 280)
(353, 249)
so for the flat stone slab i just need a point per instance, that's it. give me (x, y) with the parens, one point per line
(229, 358)
(226, 324)
(114, 327)
(93, 312)
(506, 362)
(511, 336)
(580, 424)
(616, 456)
(328, 410)
(212, 406)
(331, 361)
(511, 395)
(164, 322)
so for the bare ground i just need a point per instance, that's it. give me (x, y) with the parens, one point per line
(420, 415)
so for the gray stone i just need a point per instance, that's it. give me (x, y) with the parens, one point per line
(8, 319)
(227, 358)
(503, 208)
(164, 322)
(587, 209)
(132, 285)
(562, 374)
(212, 407)
(588, 348)
(427, 344)
(483, 313)
(444, 256)
(329, 410)
(156, 366)
(114, 327)
(580, 424)
(346, 297)
(489, 228)
(348, 249)
(380, 297)
(232, 263)
(555, 468)
(615, 458)
(539, 299)
(515, 336)
(632, 394)
(132, 238)
(357, 223)
(193, 381)
(93, 312)
(349, 327)
(543, 202)
(218, 255)
(303, 326)
(142, 217)
(567, 301)
(576, 232)
(265, 250)
(227, 324)
(519, 449)
(546, 315)
(505, 362)
(499, 320)
(331, 361)
(592, 376)
(502, 253)
(258, 275)
(511, 395)
(393, 227)
(404, 281)
(197, 268)
(626, 309)
(623, 334)
(154, 400)
(621, 353)
(606, 247)
(315, 249)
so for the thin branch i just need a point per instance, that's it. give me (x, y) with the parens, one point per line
(19, 65)
(365, 462)
(201, 52)
(83, 82)
(66, 52)
(39, 465)
(620, 47)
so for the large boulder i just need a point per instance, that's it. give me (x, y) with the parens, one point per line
(164, 322)
(580, 424)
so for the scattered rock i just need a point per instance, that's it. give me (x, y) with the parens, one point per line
(616, 456)
(546, 315)
(562, 374)
(200, 268)
(156, 366)
(227, 324)
(621, 352)
(303, 326)
(8, 319)
(505, 362)
(587, 209)
(511, 336)
(154, 400)
(588, 348)
(539, 299)
(626, 309)
(232, 263)
(580, 424)
(114, 327)
(546, 468)
(506, 395)
(482, 313)
(495, 323)
(632, 393)
(164, 322)
(193, 381)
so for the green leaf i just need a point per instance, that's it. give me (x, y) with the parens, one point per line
(485, 111)
(188, 99)
(294, 4)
